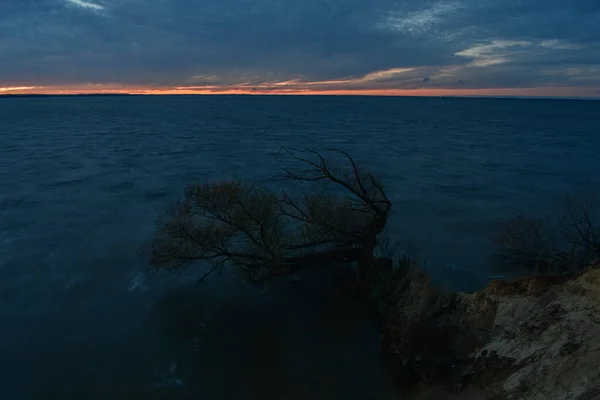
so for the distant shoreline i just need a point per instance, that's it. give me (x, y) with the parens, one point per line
(293, 95)
(69, 95)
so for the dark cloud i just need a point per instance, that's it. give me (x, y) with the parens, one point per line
(478, 44)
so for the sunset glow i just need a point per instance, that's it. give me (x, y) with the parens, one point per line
(274, 89)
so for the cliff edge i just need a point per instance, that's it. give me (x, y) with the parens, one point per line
(534, 338)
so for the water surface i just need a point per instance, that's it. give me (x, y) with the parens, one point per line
(83, 179)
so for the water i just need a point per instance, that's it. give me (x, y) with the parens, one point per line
(83, 179)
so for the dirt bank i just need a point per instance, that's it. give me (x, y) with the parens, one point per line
(535, 338)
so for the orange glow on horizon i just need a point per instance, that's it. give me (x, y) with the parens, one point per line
(278, 89)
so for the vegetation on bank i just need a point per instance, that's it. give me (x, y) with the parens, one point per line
(339, 217)
(564, 241)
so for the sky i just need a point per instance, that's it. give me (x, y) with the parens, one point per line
(389, 47)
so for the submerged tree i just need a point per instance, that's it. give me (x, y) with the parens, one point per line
(269, 234)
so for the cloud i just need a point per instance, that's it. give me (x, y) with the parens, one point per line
(86, 4)
(419, 20)
(491, 49)
(16, 89)
(300, 44)
(386, 74)
(559, 44)
(494, 53)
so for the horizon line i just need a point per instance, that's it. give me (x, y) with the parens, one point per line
(302, 94)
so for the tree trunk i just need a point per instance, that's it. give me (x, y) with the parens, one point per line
(367, 255)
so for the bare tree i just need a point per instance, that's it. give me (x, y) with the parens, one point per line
(580, 222)
(268, 234)
(564, 241)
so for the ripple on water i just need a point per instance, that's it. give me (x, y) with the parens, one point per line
(84, 181)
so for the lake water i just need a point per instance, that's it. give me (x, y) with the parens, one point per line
(83, 179)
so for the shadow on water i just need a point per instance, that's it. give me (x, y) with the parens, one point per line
(305, 337)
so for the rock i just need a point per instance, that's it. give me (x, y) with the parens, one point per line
(552, 336)
(535, 338)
